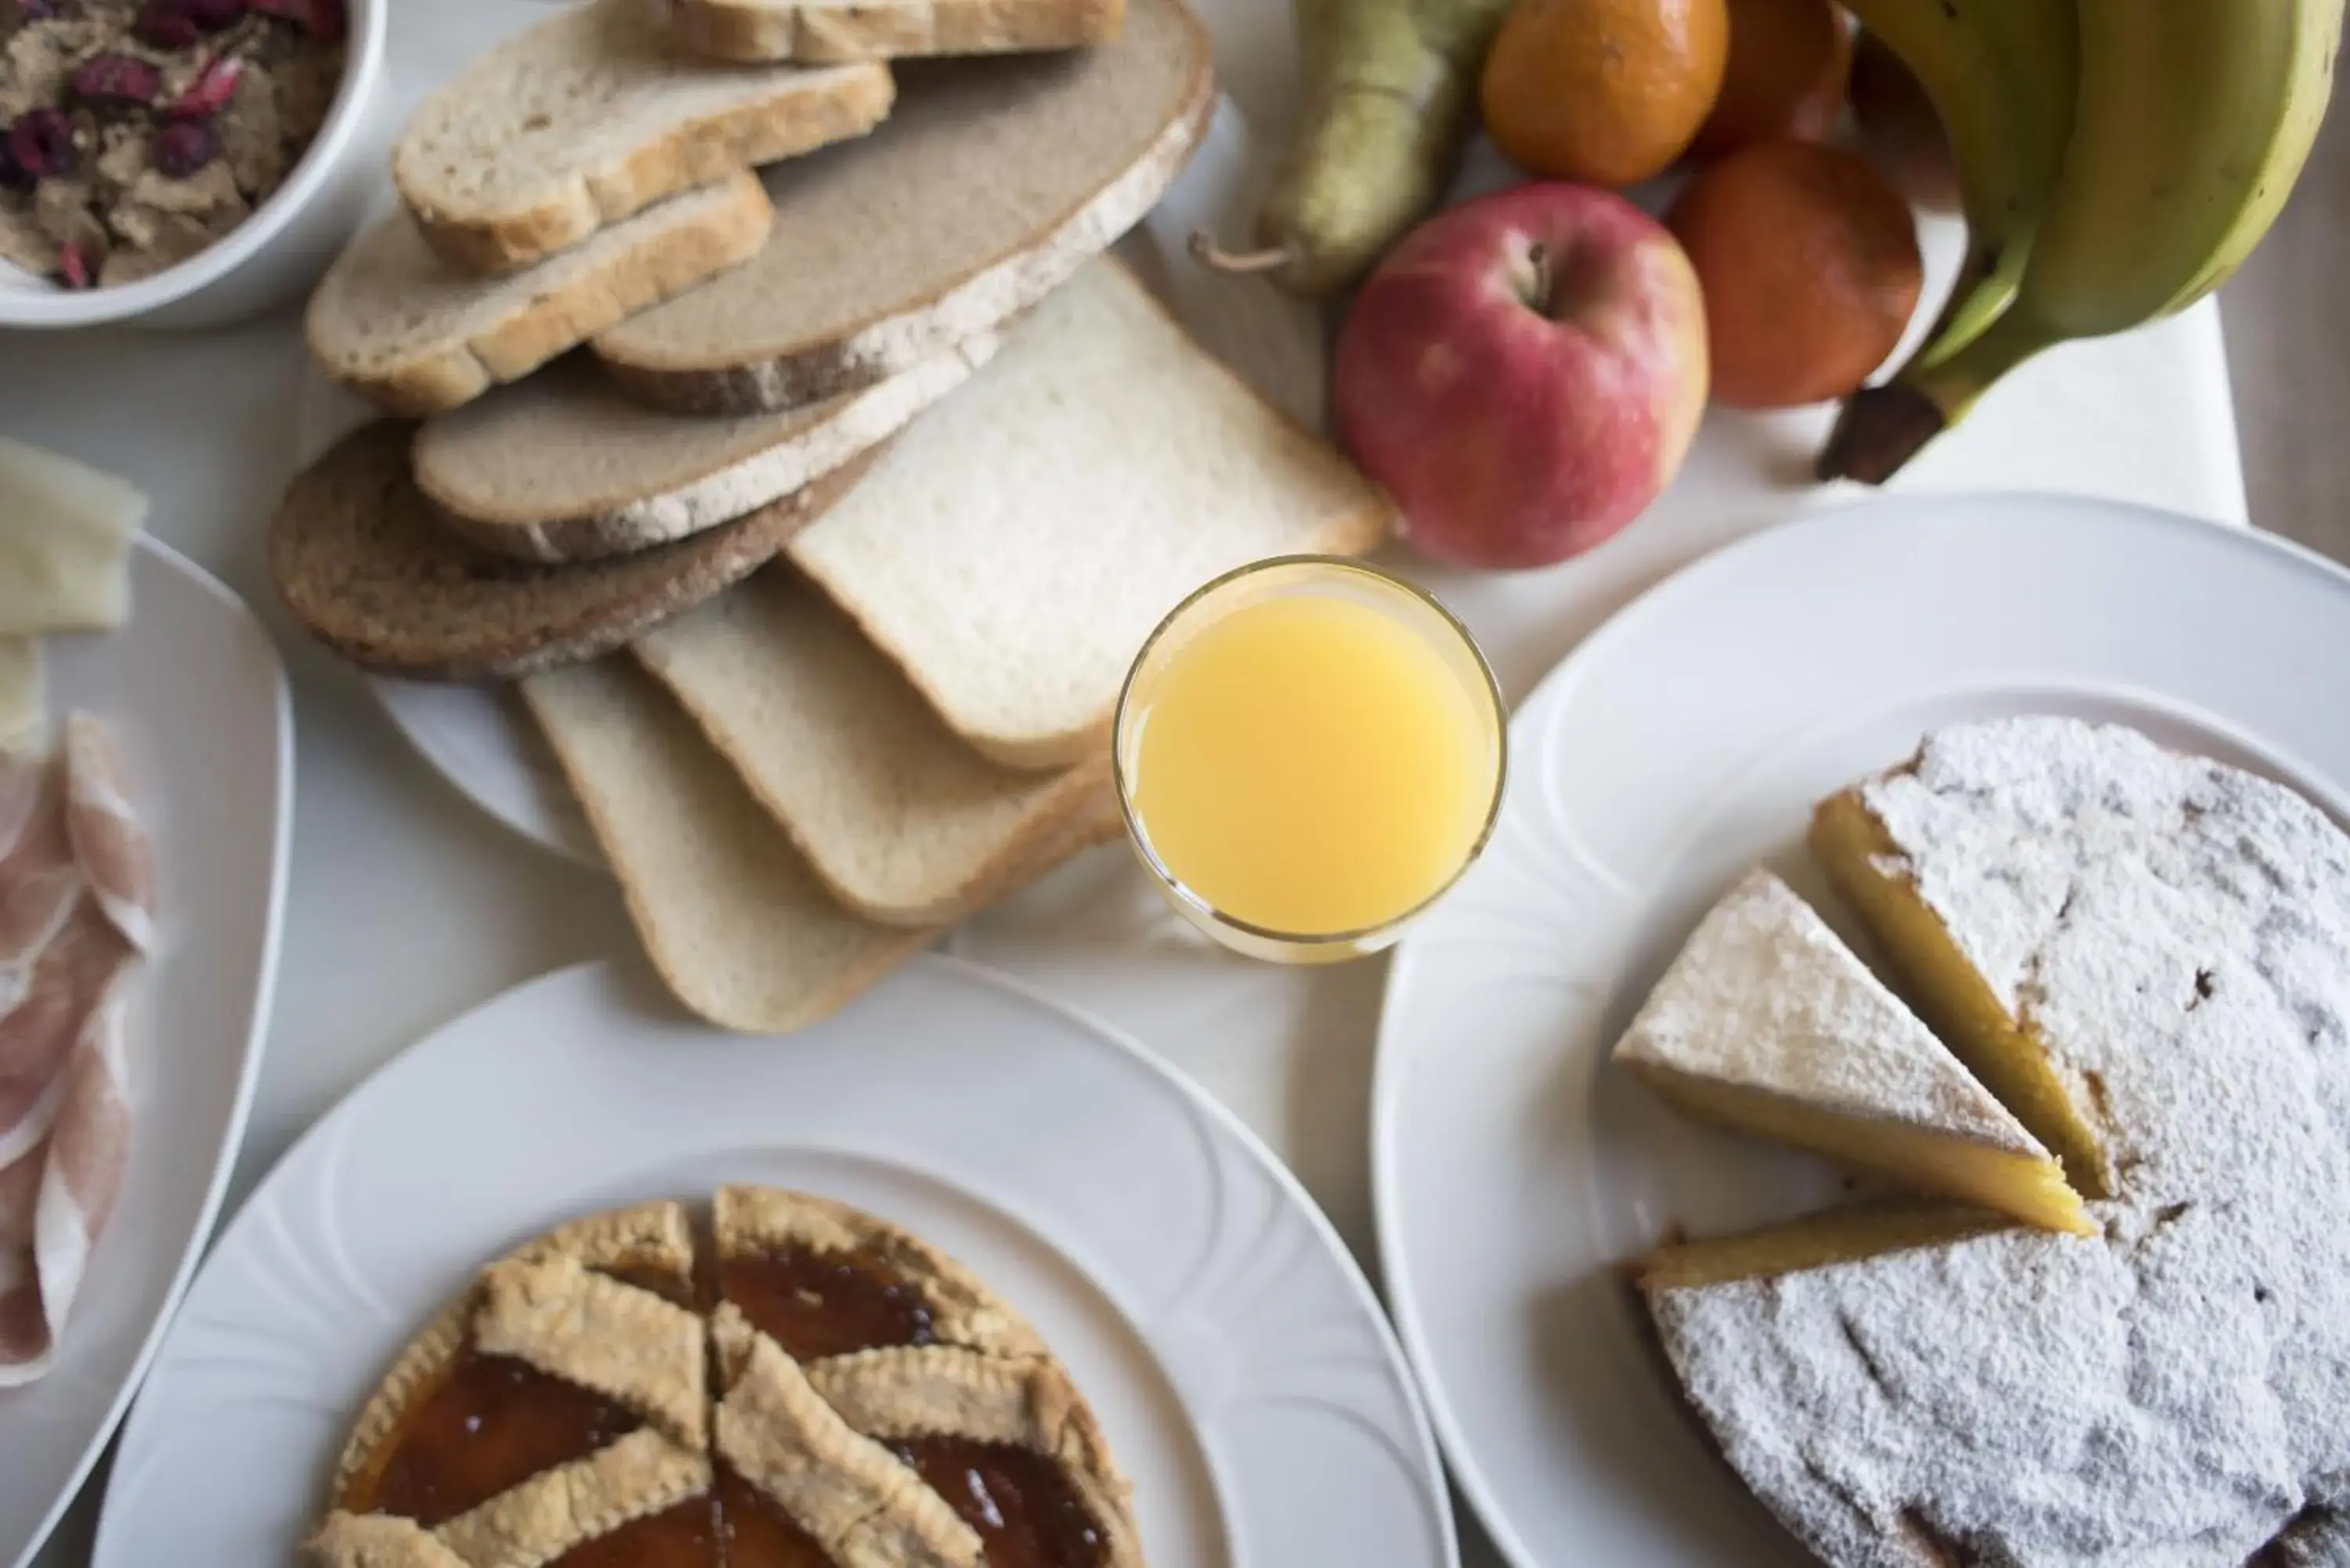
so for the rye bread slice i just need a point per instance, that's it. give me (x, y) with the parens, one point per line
(992, 183)
(596, 114)
(903, 821)
(824, 31)
(1015, 548)
(364, 565)
(413, 335)
(561, 467)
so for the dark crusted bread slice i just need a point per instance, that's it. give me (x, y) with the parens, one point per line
(823, 31)
(365, 565)
(413, 335)
(992, 183)
(561, 467)
(594, 114)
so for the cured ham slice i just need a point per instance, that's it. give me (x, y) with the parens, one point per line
(76, 913)
(39, 882)
(108, 845)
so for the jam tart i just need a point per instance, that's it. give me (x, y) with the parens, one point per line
(808, 1387)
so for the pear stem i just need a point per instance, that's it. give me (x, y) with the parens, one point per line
(1208, 253)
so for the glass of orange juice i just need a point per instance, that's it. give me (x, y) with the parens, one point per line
(1309, 752)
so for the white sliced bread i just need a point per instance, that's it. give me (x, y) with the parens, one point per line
(993, 182)
(902, 821)
(560, 467)
(1013, 550)
(598, 112)
(739, 928)
(363, 563)
(822, 31)
(412, 334)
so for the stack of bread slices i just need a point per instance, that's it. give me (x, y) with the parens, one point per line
(767, 406)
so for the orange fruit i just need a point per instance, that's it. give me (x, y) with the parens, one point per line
(1899, 129)
(1607, 92)
(1809, 263)
(1786, 75)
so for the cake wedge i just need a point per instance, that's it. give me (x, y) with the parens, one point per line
(1766, 1024)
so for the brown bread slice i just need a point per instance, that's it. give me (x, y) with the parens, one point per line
(596, 114)
(413, 335)
(365, 565)
(561, 467)
(992, 183)
(824, 31)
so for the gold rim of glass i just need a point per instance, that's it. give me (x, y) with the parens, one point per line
(1174, 884)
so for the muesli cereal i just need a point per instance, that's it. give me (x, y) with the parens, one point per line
(133, 133)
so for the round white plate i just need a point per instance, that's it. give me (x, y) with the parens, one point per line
(1684, 742)
(1233, 1351)
(193, 692)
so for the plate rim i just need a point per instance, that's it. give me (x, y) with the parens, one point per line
(1460, 1451)
(1432, 1474)
(256, 1050)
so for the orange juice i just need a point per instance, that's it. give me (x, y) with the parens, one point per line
(1314, 756)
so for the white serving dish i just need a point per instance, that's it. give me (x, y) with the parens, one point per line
(1234, 1352)
(1684, 742)
(193, 692)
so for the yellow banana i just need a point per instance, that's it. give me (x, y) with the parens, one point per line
(2194, 119)
(2000, 76)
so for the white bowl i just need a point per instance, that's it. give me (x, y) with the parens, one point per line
(274, 255)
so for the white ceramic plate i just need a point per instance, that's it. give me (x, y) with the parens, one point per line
(1234, 1352)
(193, 692)
(1684, 742)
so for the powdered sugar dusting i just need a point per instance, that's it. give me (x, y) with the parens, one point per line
(1765, 996)
(2179, 1391)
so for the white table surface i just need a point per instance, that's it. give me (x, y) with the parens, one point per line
(407, 906)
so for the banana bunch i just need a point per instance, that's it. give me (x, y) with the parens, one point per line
(2117, 159)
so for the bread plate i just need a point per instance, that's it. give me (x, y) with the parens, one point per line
(193, 693)
(1681, 743)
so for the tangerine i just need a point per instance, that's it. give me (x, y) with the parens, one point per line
(1786, 75)
(1607, 92)
(1810, 267)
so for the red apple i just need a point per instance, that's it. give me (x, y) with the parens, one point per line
(1524, 373)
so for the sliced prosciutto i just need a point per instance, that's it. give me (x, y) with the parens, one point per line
(76, 913)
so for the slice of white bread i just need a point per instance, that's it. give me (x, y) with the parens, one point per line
(560, 467)
(364, 565)
(596, 114)
(822, 31)
(993, 182)
(412, 334)
(902, 821)
(1013, 550)
(740, 931)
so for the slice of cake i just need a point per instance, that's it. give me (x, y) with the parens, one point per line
(1768, 1024)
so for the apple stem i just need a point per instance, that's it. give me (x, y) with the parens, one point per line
(1208, 253)
(1538, 263)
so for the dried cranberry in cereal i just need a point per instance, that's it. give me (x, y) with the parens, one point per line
(117, 81)
(42, 144)
(185, 146)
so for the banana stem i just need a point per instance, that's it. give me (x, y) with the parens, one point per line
(1980, 294)
(1882, 428)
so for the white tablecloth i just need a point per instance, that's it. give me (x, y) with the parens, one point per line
(407, 907)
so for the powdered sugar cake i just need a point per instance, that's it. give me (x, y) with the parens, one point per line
(1767, 1024)
(2167, 939)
